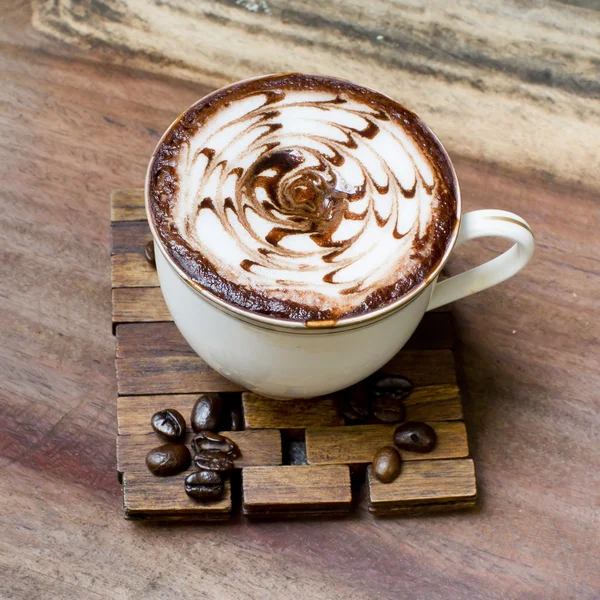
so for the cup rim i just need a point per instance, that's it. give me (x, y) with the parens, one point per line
(317, 325)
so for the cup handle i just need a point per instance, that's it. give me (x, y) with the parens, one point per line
(484, 223)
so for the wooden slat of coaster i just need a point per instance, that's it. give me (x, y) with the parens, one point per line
(163, 498)
(357, 444)
(434, 403)
(267, 413)
(153, 358)
(134, 412)
(132, 270)
(127, 237)
(165, 375)
(258, 448)
(423, 487)
(127, 205)
(139, 305)
(147, 340)
(296, 489)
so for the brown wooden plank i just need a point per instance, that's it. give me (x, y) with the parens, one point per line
(134, 412)
(148, 340)
(258, 447)
(127, 205)
(153, 358)
(129, 236)
(424, 486)
(139, 305)
(165, 375)
(423, 367)
(357, 444)
(434, 403)
(266, 413)
(296, 489)
(132, 270)
(163, 498)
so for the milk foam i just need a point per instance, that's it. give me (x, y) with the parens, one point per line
(308, 196)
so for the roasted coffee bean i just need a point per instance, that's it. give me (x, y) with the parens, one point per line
(169, 423)
(237, 423)
(207, 441)
(168, 459)
(387, 464)
(149, 253)
(358, 400)
(415, 436)
(204, 485)
(391, 385)
(387, 408)
(213, 461)
(207, 412)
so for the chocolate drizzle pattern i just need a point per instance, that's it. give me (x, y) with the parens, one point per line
(303, 197)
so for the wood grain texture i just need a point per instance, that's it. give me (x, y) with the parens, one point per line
(277, 490)
(257, 447)
(267, 413)
(129, 236)
(434, 403)
(489, 77)
(448, 484)
(127, 205)
(357, 444)
(78, 123)
(153, 358)
(134, 412)
(133, 270)
(148, 497)
(139, 305)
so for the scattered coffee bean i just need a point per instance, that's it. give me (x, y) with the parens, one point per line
(169, 423)
(168, 459)
(387, 408)
(207, 441)
(207, 412)
(237, 423)
(387, 464)
(415, 436)
(392, 385)
(149, 253)
(204, 485)
(213, 461)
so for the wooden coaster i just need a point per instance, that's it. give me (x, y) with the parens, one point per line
(296, 455)
(296, 491)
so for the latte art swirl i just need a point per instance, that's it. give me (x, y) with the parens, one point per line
(303, 197)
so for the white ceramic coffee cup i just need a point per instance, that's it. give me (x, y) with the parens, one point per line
(288, 359)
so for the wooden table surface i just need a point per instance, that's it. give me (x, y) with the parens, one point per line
(513, 91)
